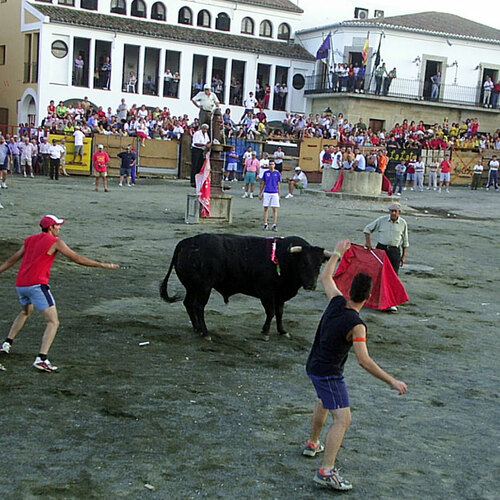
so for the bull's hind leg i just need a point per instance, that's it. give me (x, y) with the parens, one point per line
(268, 304)
(279, 319)
(189, 304)
(200, 301)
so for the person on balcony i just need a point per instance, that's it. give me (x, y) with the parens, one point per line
(487, 90)
(436, 84)
(388, 80)
(380, 73)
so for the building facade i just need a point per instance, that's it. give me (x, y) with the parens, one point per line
(419, 47)
(150, 52)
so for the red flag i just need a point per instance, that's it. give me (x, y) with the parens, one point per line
(386, 185)
(364, 50)
(203, 186)
(387, 290)
(336, 187)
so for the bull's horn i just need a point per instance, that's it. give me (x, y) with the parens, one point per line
(296, 249)
(327, 254)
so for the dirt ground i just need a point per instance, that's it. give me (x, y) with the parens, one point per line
(227, 419)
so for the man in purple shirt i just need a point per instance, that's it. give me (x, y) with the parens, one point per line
(270, 193)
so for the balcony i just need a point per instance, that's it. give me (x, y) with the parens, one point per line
(399, 88)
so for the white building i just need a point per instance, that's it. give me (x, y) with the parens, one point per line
(418, 46)
(230, 41)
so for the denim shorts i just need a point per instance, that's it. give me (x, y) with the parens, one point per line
(38, 295)
(331, 390)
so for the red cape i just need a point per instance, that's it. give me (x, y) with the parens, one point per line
(387, 290)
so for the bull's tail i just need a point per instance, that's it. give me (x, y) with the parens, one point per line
(164, 285)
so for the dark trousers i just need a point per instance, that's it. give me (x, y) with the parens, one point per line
(54, 168)
(196, 163)
(475, 181)
(394, 254)
(398, 183)
(206, 117)
(45, 163)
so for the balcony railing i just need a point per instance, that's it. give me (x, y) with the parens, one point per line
(399, 88)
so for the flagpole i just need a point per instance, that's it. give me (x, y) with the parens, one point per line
(377, 61)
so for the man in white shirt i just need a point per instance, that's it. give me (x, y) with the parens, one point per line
(55, 152)
(250, 102)
(263, 164)
(493, 173)
(419, 174)
(321, 155)
(206, 101)
(476, 174)
(359, 164)
(338, 159)
(487, 89)
(299, 181)
(201, 141)
(26, 149)
(278, 159)
(78, 150)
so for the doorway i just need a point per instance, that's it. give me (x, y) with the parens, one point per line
(431, 69)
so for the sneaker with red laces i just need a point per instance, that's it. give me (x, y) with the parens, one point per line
(45, 366)
(312, 449)
(332, 479)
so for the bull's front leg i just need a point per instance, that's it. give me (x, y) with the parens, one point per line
(268, 303)
(279, 306)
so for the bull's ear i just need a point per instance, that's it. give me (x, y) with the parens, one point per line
(295, 249)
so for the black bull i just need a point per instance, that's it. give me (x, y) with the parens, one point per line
(243, 264)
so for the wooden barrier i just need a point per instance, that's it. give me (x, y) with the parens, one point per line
(158, 157)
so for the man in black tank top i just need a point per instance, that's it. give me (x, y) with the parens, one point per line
(339, 329)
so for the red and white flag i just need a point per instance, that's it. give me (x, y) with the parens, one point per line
(202, 180)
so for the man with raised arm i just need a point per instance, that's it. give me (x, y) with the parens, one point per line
(339, 329)
(32, 283)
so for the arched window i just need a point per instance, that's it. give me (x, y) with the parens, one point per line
(138, 9)
(118, 7)
(247, 26)
(223, 23)
(266, 29)
(204, 19)
(185, 16)
(159, 12)
(284, 32)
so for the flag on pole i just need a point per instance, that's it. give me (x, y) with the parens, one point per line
(364, 50)
(325, 48)
(203, 187)
(377, 58)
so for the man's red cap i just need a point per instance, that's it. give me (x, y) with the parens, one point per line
(50, 220)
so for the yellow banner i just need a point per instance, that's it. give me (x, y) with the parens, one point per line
(81, 165)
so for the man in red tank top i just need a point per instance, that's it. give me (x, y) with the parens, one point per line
(32, 283)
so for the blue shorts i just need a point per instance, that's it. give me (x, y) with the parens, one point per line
(38, 295)
(250, 177)
(410, 177)
(232, 167)
(331, 390)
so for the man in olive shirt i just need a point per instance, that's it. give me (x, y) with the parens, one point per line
(206, 101)
(392, 237)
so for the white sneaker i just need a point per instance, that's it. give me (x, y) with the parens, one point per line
(1, 206)
(129, 185)
(398, 194)
(439, 190)
(24, 175)
(235, 180)
(45, 366)
(412, 189)
(245, 195)
(5, 348)
(404, 189)
(251, 195)
(120, 184)
(32, 176)
(289, 195)
(393, 309)
(447, 190)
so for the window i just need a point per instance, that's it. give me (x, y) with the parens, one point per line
(59, 49)
(247, 26)
(118, 7)
(185, 16)
(66, 2)
(284, 32)
(204, 20)
(89, 4)
(159, 12)
(223, 23)
(298, 81)
(266, 29)
(2, 55)
(138, 9)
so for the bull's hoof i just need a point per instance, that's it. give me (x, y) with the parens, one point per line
(206, 337)
(286, 335)
(265, 337)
